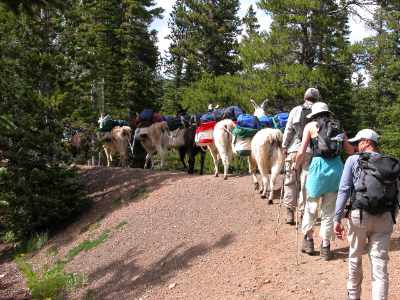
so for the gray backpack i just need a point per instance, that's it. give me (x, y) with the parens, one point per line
(376, 190)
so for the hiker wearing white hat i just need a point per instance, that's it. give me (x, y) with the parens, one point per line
(318, 108)
(371, 180)
(365, 134)
(325, 136)
(294, 191)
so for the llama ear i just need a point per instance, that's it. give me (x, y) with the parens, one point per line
(255, 105)
(264, 104)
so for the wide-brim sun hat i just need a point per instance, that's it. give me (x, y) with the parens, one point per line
(365, 134)
(317, 108)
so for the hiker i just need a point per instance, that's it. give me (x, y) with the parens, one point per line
(371, 180)
(323, 133)
(295, 182)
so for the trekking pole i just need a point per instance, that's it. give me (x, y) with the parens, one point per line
(297, 220)
(278, 218)
(297, 237)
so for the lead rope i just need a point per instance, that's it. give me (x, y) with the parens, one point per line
(131, 147)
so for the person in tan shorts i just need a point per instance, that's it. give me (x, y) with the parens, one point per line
(323, 175)
(294, 182)
(367, 230)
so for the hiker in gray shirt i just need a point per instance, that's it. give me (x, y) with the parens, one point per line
(294, 191)
(365, 228)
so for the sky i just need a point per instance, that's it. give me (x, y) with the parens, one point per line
(358, 28)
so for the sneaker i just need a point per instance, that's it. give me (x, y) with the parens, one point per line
(290, 216)
(308, 246)
(326, 252)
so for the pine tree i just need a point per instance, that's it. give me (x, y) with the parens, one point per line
(178, 64)
(250, 22)
(139, 55)
(308, 46)
(384, 68)
(204, 34)
(203, 40)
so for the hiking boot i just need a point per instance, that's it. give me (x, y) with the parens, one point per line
(290, 216)
(308, 246)
(326, 252)
(348, 297)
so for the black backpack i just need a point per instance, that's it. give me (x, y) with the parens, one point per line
(330, 138)
(376, 190)
(303, 118)
(303, 121)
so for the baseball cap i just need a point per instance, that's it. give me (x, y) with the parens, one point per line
(367, 134)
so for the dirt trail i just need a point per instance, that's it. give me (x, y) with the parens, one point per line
(174, 236)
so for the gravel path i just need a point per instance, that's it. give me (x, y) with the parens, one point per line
(174, 236)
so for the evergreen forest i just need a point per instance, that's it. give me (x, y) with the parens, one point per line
(64, 62)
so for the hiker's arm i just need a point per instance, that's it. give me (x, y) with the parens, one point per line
(305, 141)
(348, 148)
(345, 188)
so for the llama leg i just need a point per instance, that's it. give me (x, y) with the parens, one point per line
(192, 160)
(163, 154)
(225, 161)
(265, 181)
(147, 160)
(202, 159)
(182, 154)
(253, 171)
(124, 160)
(107, 156)
(275, 171)
(215, 157)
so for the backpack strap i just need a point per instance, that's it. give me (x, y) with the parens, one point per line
(275, 122)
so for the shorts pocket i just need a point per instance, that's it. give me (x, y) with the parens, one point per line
(355, 217)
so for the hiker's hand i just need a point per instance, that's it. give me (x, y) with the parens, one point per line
(339, 230)
(345, 137)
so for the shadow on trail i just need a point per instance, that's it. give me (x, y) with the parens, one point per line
(340, 253)
(111, 188)
(125, 276)
(343, 253)
(394, 244)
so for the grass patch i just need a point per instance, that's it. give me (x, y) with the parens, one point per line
(90, 227)
(121, 224)
(52, 283)
(9, 237)
(87, 245)
(238, 166)
(52, 251)
(34, 244)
